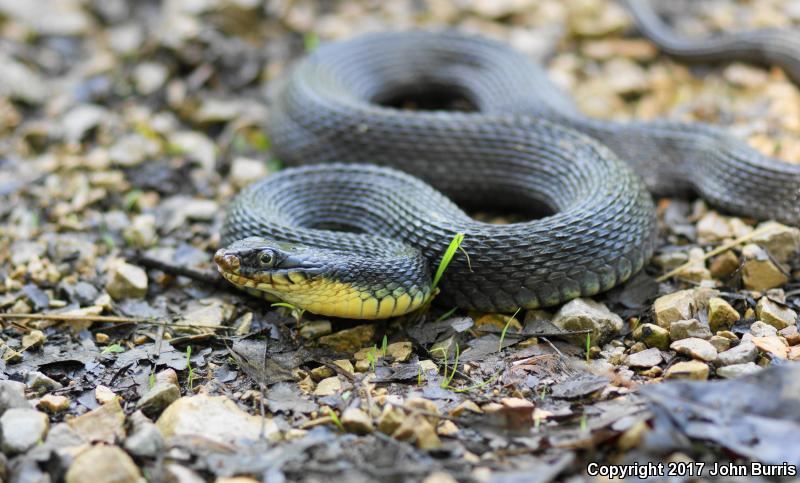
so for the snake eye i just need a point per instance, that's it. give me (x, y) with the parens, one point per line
(266, 258)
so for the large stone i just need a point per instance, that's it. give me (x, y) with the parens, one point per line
(759, 272)
(60, 19)
(328, 387)
(646, 358)
(357, 421)
(41, 383)
(418, 430)
(761, 329)
(145, 439)
(400, 351)
(683, 329)
(652, 335)
(781, 241)
(81, 119)
(158, 397)
(581, 314)
(713, 228)
(245, 171)
(695, 348)
(104, 424)
(315, 329)
(141, 233)
(738, 370)
(681, 305)
(132, 149)
(104, 463)
(695, 270)
(349, 340)
(53, 403)
(774, 345)
(743, 353)
(693, 370)
(724, 265)
(777, 315)
(33, 339)
(720, 343)
(126, 281)
(216, 418)
(206, 314)
(149, 77)
(196, 146)
(390, 419)
(721, 315)
(21, 429)
(12, 395)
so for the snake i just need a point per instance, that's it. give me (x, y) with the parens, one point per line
(392, 138)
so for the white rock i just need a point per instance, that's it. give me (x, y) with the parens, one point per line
(21, 429)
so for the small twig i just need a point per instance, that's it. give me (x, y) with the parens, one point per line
(561, 354)
(489, 329)
(720, 249)
(204, 276)
(112, 319)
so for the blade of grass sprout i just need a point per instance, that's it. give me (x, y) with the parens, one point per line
(384, 346)
(455, 244)
(335, 419)
(445, 315)
(448, 379)
(190, 376)
(588, 345)
(113, 349)
(285, 305)
(443, 351)
(478, 385)
(505, 329)
(372, 357)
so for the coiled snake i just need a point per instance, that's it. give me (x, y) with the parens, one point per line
(358, 239)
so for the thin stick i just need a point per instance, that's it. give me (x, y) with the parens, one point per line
(76, 317)
(716, 251)
(105, 318)
(205, 276)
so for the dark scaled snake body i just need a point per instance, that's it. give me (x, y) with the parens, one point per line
(356, 229)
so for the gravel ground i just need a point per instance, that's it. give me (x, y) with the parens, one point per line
(125, 127)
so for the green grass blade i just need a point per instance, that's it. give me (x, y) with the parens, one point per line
(455, 244)
(335, 418)
(445, 315)
(505, 329)
(479, 384)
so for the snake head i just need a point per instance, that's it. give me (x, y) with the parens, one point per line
(328, 281)
(268, 265)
